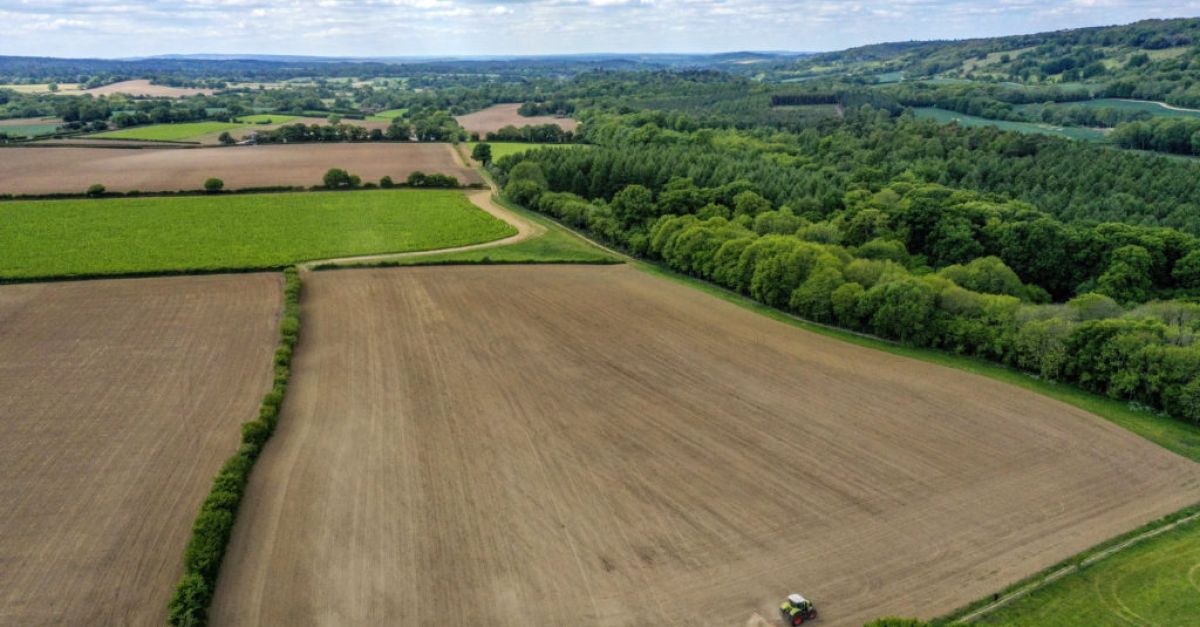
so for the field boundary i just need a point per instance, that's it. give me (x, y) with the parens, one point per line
(214, 524)
(1076, 563)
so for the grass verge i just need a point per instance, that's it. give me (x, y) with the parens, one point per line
(214, 524)
(1151, 581)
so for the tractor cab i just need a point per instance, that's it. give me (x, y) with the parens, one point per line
(796, 609)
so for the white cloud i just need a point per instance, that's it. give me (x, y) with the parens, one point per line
(441, 27)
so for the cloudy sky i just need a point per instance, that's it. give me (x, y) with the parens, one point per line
(118, 28)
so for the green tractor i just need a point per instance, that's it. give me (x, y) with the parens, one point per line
(797, 609)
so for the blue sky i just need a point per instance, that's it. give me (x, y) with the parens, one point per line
(117, 28)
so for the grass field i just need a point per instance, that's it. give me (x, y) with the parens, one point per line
(944, 116)
(129, 235)
(267, 118)
(555, 245)
(504, 149)
(1155, 582)
(169, 132)
(28, 130)
(387, 115)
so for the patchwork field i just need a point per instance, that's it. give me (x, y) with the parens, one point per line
(29, 127)
(143, 88)
(170, 132)
(1070, 132)
(388, 115)
(124, 235)
(499, 116)
(46, 170)
(594, 445)
(119, 400)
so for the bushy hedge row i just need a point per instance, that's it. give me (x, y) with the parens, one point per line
(267, 189)
(214, 525)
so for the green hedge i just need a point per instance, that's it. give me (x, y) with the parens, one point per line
(214, 525)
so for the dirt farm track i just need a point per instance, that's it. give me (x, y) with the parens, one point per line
(597, 446)
(119, 401)
(60, 169)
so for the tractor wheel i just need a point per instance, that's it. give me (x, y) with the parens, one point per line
(798, 619)
(812, 614)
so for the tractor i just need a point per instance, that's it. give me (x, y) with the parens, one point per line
(797, 609)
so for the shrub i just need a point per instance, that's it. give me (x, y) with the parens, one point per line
(214, 185)
(387, 182)
(96, 190)
(337, 178)
(189, 603)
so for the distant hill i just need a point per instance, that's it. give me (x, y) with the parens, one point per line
(258, 67)
(1156, 58)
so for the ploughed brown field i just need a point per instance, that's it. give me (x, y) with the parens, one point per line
(499, 116)
(598, 446)
(119, 401)
(143, 88)
(61, 169)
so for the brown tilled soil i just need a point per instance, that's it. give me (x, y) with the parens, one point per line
(499, 116)
(597, 446)
(46, 170)
(142, 87)
(119, 401)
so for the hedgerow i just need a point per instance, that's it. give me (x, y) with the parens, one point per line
(214, 524)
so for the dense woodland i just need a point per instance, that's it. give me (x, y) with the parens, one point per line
(933, 236)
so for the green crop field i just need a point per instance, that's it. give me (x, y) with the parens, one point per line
(1155, 582)
(170, 132)
(267, 118)
(28, 130)
(942, 115)
(504, 149)
(556, 245)
(384, 116)
(55, 238)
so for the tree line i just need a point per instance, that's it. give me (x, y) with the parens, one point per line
(1104, 306)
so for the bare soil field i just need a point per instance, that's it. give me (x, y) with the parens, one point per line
(144, 88)
(44, 170)
(598, 446)
(499, 116)
(119, 400)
